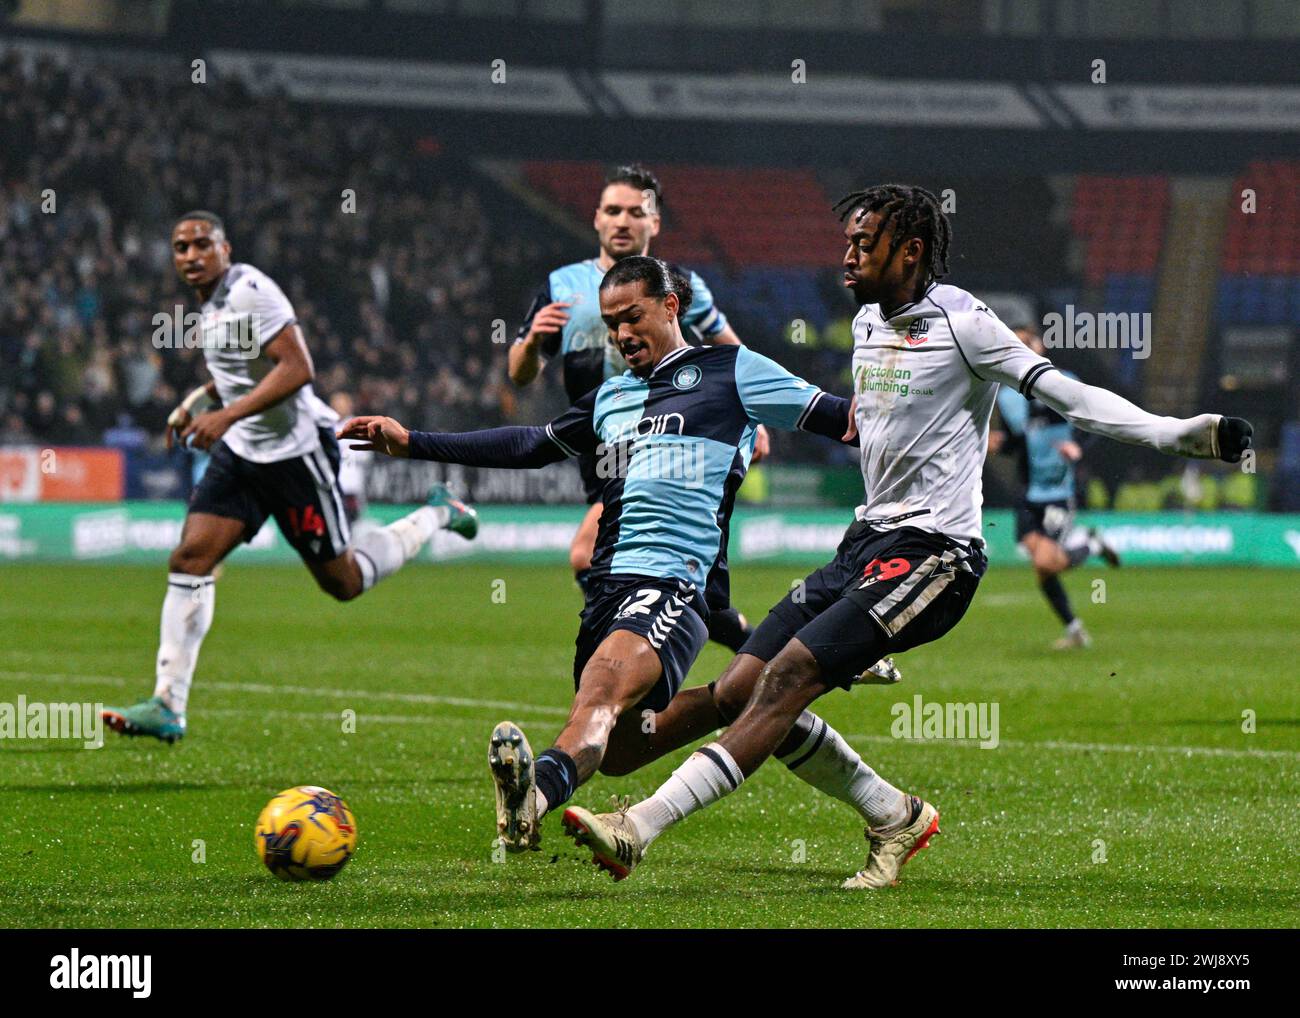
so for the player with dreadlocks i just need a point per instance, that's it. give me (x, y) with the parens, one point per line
(927, 362)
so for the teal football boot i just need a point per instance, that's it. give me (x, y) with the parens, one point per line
(464, 520)
(148, 717)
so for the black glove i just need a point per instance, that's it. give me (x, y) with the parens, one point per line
(1234, 438)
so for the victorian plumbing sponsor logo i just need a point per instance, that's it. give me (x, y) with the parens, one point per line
(77, 971)
(878, 378)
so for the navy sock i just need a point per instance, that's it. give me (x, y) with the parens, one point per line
(1057, 598)
(582, 576)
(557, 777)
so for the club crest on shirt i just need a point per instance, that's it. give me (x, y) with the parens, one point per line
(687, 377)
(918, 331)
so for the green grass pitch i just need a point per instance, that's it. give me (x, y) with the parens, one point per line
(1132, 752)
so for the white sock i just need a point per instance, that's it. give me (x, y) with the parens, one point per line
(831, 765)
(706, 777)
(384, 550)
(186, 616)
(542, 804)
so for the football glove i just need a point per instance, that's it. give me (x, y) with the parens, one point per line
(1233, 438)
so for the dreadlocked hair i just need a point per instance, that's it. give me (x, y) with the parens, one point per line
(914, 211)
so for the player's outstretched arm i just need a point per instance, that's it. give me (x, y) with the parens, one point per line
(495, 447)
(993, 353)
(1092, 408)
(773, 396)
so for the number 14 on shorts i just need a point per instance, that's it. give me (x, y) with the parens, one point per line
(306, 521)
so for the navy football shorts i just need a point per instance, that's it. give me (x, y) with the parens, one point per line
(1051, 519)
(884, 592)
(665, 611)
(302, 494)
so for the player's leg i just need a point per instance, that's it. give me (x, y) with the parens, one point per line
(304, 495)
(222, 514)
(187, 612)
(1082, 543)
(635, 646)
(375, 553)
(1050, 560)
(813, 751)
(925, 594)
(583, 545)
(621, 672)
(693, 713)
(640, 738)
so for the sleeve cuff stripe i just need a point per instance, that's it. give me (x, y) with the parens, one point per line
(550, 433)
(807, 411)
(1032, 376)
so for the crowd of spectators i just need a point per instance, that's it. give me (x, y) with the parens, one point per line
(408, 269)
(384, 244)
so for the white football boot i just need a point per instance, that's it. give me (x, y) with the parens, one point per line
(1075, 638)
(612, 837)
(888, 852)
(511, 760)
(883, 673)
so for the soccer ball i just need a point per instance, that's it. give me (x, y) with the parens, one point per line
(306, 833)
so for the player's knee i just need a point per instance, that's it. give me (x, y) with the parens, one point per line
(732, 689)
(1046, 566)
(787, 679)
(730, 695)
(339, 589)
(189, 559)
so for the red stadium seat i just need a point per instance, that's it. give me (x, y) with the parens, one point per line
(713, 212)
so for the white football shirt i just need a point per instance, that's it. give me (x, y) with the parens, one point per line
(245, 312)
(926, 380)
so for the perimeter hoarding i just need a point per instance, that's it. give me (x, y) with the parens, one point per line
(147, 531)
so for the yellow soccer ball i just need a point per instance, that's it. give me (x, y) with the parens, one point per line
(306, 833)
